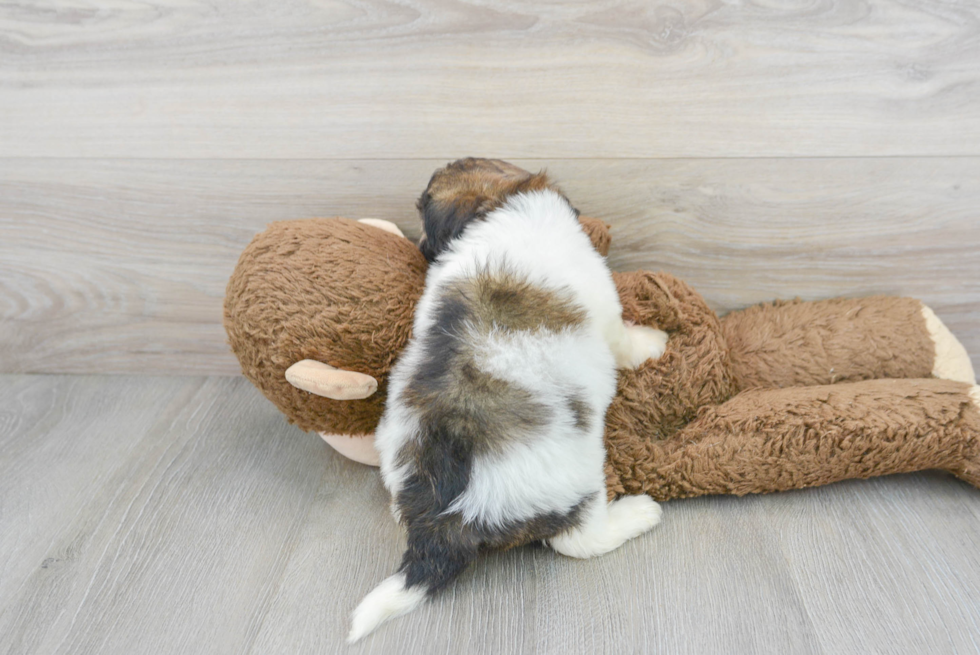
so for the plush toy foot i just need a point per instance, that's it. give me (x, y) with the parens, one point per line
(952, 361)
(608, 526)
(358, 448)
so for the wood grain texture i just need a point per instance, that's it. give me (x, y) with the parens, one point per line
(203, 523)
(836, 561)
(755, 149)
(55, 455)
(121, 266)
(169, 507)
(435, 78)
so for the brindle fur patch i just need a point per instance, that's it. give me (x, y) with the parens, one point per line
(465, 191)
(581, 412)
(441, 545)
(507, 302)
(449, 390)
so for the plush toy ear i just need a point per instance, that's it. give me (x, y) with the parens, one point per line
(329, 382)
(382, 224)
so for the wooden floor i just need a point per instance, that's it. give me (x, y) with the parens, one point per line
(183, 515)
(758, 150)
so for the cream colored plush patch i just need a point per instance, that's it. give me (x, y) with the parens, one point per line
(382, 224)
(975, 394)
(359, 448)
(329, 382)
(952, 361)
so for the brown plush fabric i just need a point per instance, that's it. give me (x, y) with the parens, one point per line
(795, 343)
(332, 290)
(598, 232)
(770, 440)
(705, 418)
(661, 397)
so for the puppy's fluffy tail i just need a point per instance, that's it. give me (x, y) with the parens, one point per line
(389, 599)
(429, 564)
(440, 544)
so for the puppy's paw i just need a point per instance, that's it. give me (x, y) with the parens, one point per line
(645, 343)
(609, 528)
(630, 516)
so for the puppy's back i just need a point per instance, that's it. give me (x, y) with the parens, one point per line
(493, 433)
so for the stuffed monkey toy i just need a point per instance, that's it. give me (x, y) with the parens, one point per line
(779, 396)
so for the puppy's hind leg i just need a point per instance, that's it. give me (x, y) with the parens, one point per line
(607, 526)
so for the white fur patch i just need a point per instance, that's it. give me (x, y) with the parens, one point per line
(537, 237)
(607, 527)
(388, 600)
(510, 486)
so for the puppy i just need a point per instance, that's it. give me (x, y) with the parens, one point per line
(492, 435)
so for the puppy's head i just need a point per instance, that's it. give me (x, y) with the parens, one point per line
(466, 191)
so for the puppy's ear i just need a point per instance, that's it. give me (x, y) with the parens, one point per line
(465, 191)
(445, 220)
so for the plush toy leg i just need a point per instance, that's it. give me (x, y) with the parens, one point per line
(969, 469)
(797, 343)
(774, 439)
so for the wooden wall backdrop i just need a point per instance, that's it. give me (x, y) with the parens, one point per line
(756, 149)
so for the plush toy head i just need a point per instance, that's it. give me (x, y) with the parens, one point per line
(334, 291)
(329, 292)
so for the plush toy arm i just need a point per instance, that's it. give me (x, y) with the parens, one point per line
(767, 440)
(794, 343)
(598, 233)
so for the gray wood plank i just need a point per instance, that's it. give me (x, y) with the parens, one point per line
(896, 553)
(121, 266)
(428, 78)
(62, 440)
(680, 589)
(179, 548)
(221, 529)
(879, 566)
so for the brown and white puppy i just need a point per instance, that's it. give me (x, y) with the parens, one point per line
(492, 435)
